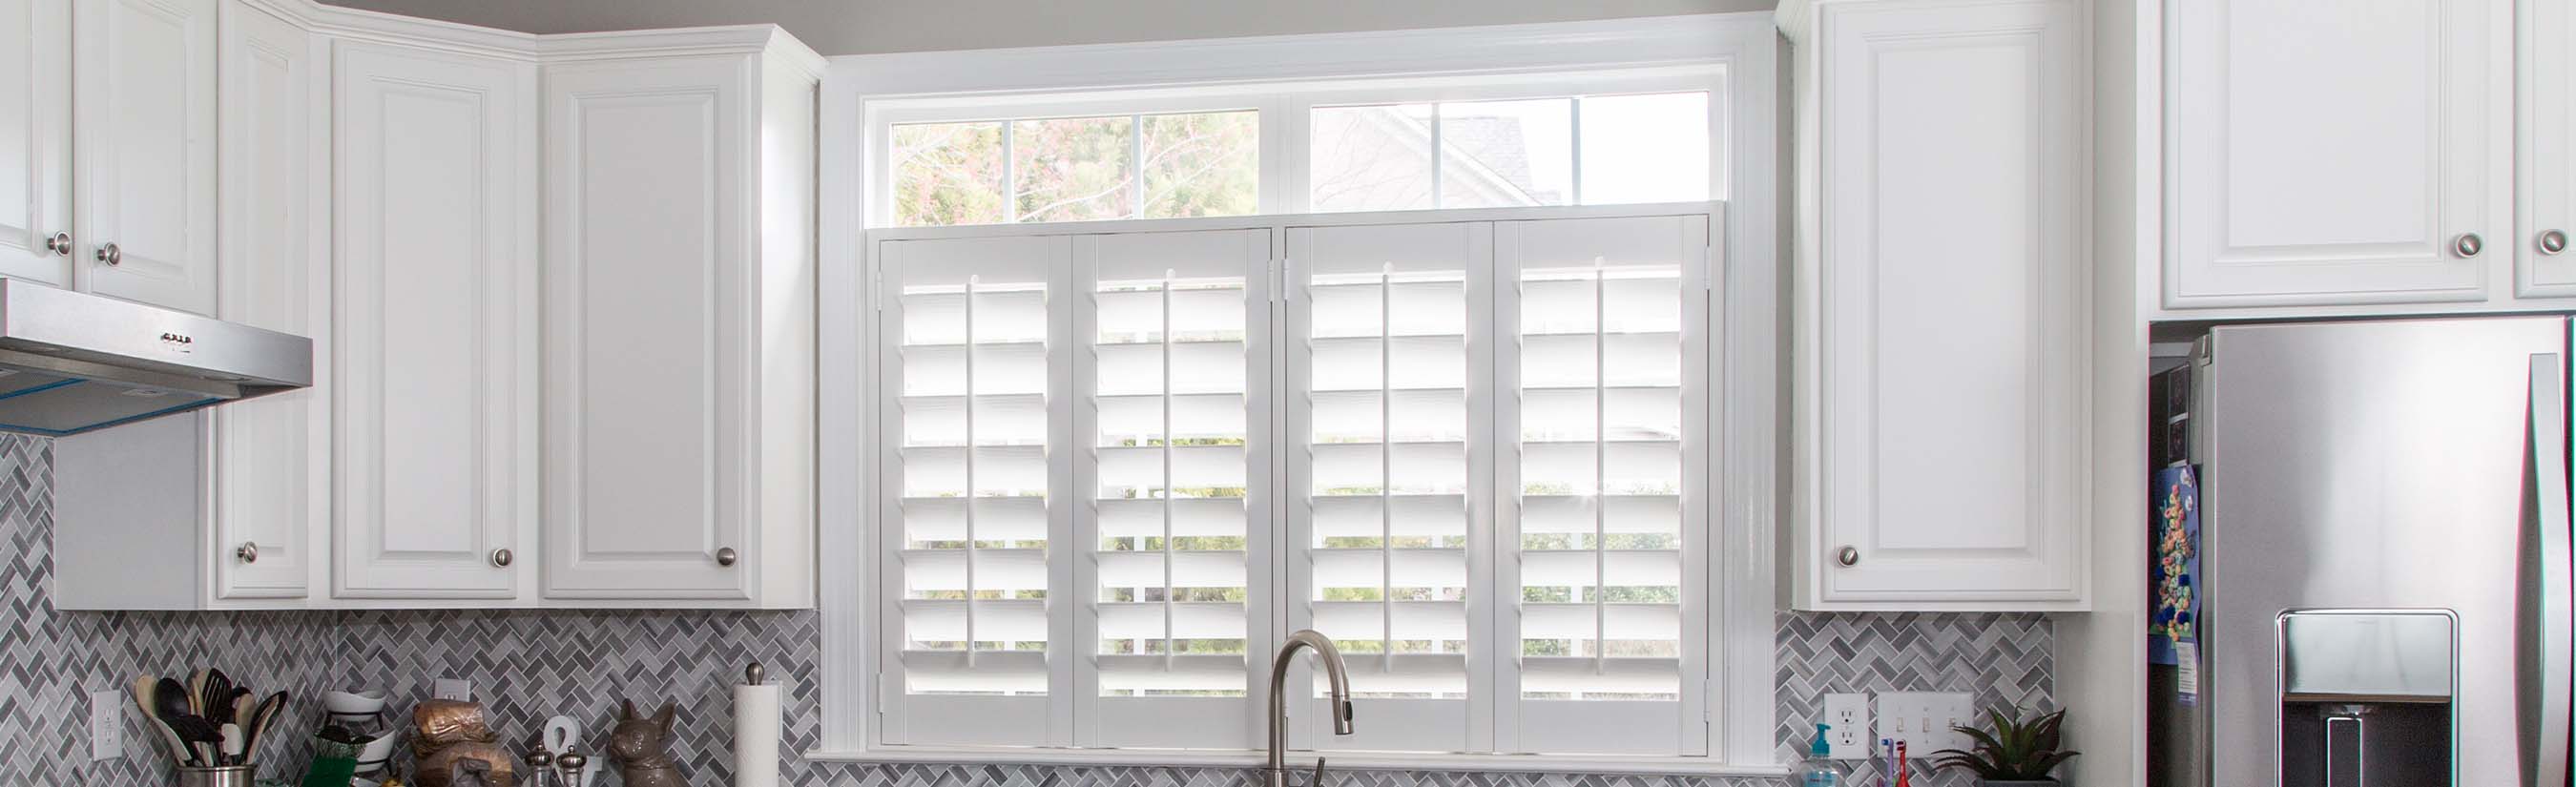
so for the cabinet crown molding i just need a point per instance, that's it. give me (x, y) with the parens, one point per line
(376, 26)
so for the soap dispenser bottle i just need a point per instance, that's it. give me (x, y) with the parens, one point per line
(1820, 767)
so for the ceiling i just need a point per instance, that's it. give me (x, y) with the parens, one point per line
(849, 27)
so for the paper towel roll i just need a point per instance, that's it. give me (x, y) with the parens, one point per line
(755, 736)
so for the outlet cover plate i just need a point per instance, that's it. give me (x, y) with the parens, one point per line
(1922, 719)
(106, 724)
(452, 689)
(1848, 737)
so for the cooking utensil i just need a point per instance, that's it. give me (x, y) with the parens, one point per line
(215, 697)
(263, 718)
(196, 693)
(146, 689)
(169, 699)
(233, 743)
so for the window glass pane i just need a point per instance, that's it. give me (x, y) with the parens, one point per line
(1073, 169)
(1651, 148)
(1204, 164)
(1496, 154)
(1370, 158)
(947, 173)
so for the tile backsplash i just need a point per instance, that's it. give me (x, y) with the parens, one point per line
(528, 665)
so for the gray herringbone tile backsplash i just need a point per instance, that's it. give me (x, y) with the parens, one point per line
(527, 666)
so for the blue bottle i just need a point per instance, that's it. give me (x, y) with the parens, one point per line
(1820, 768)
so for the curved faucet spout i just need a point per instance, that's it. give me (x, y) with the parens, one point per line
(1276, 772)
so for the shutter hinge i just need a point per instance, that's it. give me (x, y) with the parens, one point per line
(1279, 285)
(1707, 710)
(876, 290)
(881, 694)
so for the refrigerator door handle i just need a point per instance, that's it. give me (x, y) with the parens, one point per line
(2545, 624)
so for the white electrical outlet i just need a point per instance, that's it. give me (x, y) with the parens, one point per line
(452, 689)
(1923, 720)
(1847, 737)
(106, 724)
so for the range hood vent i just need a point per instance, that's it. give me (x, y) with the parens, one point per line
(73, 362)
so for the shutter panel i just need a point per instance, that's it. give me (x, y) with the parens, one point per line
(1388, 366)
(976, 347)
(1604, 534)
(1173, 414)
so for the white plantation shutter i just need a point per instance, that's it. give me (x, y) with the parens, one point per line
(1173, 410)
(1490, 442)
(1388, 370)
(978, 330)
(1602, 535)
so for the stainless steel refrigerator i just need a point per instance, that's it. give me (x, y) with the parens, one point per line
(2383, 562)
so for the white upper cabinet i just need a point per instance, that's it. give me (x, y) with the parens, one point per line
(2322, 154)
(2545, 141)
(271, 472)
(679, 347)
(1944, 353)
(145, 110)
(434, 353)
(35, 140)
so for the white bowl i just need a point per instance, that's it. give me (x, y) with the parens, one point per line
(373, 756)
(345, 703)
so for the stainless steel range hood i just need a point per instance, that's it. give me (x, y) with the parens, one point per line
(73, 362)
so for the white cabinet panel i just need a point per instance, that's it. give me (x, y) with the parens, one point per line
(435, 349)
(272, 470)
(2546, 142)
(145, 81)
(2335, 153)
(35, 139)
(1948, 380)
(646, 297)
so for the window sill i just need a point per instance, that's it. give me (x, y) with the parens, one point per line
(1541, 763)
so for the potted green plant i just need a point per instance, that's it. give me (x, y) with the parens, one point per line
(2014, 753)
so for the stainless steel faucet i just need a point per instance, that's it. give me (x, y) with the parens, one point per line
(1276, 773)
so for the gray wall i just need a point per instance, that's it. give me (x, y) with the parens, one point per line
(852, 27)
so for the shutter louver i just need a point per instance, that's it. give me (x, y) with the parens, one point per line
(1175, 525)
(1386, 474)
(1607, 483)
(975, 353)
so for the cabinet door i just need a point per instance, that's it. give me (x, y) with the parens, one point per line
(35, 140)
(1951, 325)
(2335, 153)
(434, 344)
(272, 474)
(2546, 142)
(146, 115)
(647, 330)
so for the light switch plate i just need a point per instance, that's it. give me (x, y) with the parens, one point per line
(1923, 720)
(1848, 737)
(452, 689)
(106, 724)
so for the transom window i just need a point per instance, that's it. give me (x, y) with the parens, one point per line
(1615, 138)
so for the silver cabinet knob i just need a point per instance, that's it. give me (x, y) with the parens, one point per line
(2553, 241)
(60, 244)
(248, 552)
(110, 254)
(727, 557)
(2468, 244)
(501, 557)
(1849, 556)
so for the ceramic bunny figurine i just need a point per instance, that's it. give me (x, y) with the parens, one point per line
(641, 747)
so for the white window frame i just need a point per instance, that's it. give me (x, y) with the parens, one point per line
(862, 93)
(1287, 111)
